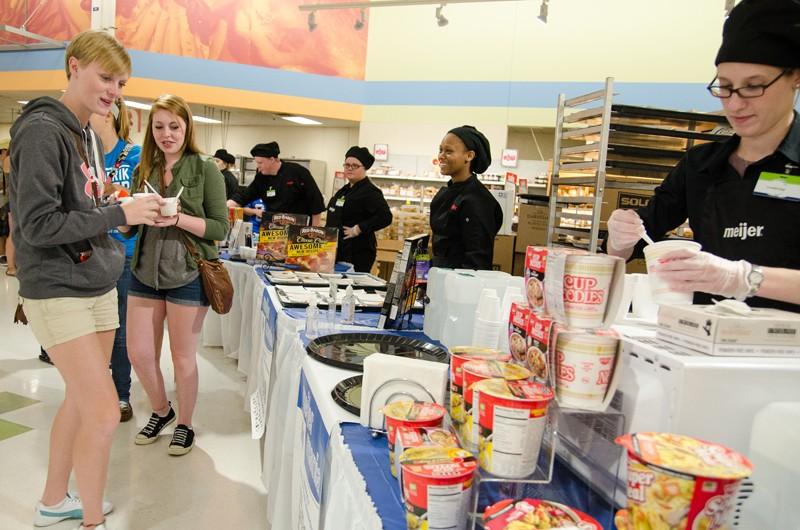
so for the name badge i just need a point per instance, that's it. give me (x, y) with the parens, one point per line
(340, 202)
(271, 192)
(778, 186)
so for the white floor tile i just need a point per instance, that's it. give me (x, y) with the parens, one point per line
(217, 485)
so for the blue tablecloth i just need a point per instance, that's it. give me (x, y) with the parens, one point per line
(371, 456)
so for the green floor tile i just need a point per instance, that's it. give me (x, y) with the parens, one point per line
(9, 429)
(10, 401)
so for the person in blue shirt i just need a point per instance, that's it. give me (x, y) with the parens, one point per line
(121, 157)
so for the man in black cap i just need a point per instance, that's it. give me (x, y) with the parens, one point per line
(284, 187)
(741, 195)
(225, 161)
(465, 216)
(358, 210)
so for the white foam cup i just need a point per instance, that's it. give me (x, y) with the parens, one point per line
(662, 294)
(170, 206)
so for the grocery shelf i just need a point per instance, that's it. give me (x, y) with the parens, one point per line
(400, 198)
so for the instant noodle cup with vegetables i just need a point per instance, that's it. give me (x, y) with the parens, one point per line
(436, 484)
(677, 482)
(475, 371)
(535, 514)
(458, 356)
(509, 419)
(410, 414)
(535, 265)
(408, 437)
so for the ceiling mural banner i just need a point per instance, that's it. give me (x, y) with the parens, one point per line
(270, 33)
(57, 19)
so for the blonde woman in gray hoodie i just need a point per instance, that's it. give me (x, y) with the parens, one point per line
(68, 265)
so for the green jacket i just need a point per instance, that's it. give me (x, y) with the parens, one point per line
(203, 196)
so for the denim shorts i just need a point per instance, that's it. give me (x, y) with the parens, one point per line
(191, 294)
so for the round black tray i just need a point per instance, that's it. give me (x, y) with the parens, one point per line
(347, 394)
(348, 350)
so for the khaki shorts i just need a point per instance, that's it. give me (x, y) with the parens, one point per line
(55, 321)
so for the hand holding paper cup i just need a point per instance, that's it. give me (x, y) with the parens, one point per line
(662, 292)
(169, 206)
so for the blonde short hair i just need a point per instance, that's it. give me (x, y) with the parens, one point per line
(98, 46)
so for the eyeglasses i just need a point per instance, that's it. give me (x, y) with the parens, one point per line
(351, 167)
(749, 91)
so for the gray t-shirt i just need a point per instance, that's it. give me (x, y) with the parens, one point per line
(163, 260)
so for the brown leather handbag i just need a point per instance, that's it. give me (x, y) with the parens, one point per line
(216, 280)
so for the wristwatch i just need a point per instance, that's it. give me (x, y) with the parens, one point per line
(754, 279)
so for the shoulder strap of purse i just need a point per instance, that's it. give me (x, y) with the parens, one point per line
(190, 246)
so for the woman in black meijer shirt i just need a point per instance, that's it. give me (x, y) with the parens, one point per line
(741, 195)
(465, 216)
(358, 210)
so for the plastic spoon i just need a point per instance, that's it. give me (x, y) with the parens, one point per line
(151, 188)
(647, 238)
(179, 192)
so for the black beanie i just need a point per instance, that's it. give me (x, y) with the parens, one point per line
(225, 156)
(476, 142)
(266, 150)
(362, 154)
(762, 32)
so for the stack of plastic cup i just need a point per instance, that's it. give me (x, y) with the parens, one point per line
(488, 322)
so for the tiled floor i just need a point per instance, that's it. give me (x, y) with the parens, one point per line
(216, 486)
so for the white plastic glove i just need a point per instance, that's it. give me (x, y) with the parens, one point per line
(351, 231)
(690, 270)
(625, 229)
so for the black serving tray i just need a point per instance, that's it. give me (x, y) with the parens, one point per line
(348, 350)
(347, 394)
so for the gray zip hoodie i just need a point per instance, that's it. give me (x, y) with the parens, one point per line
(55, 216)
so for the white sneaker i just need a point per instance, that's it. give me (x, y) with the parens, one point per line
(69, 508)
(98, 527)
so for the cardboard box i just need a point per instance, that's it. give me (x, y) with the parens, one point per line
(627, 198)
(708, 329)
(532, 227)
(503, 259)
(518, 268)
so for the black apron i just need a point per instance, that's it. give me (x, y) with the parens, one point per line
(762, 230)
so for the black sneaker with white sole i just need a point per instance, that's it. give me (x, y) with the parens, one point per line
(182, 440)
(150, 432)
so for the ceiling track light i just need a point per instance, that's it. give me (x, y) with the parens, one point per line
(312, 21)
(543, 12)
(441, 20)
(361, 20)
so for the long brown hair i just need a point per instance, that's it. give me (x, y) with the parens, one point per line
(122, 122)
(152, 158)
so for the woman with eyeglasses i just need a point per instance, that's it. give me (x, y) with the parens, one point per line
(741, 195)
(358, 210)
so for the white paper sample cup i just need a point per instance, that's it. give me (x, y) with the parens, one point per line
(586, 282)
(170, 207)
(662, 294)
(584, 366)
(144, 195)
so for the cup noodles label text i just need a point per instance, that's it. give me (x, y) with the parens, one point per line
(583, 290)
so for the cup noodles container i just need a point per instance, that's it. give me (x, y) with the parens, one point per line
(585, 363)
(408, 437)
(538, 344)
(535, 514)
(511, 417)
(662, 294)
(436, 484)
(475, 371)
(680, 483)
(535, 264)
(410, 414)
(458, 356)
(518, 331)
(586, 289)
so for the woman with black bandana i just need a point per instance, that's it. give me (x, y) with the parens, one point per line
(741, 196)
(465, 217)
(358, 210)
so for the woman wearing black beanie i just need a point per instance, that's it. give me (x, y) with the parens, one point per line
(741, 196)
(358, 210)
(465, 216)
